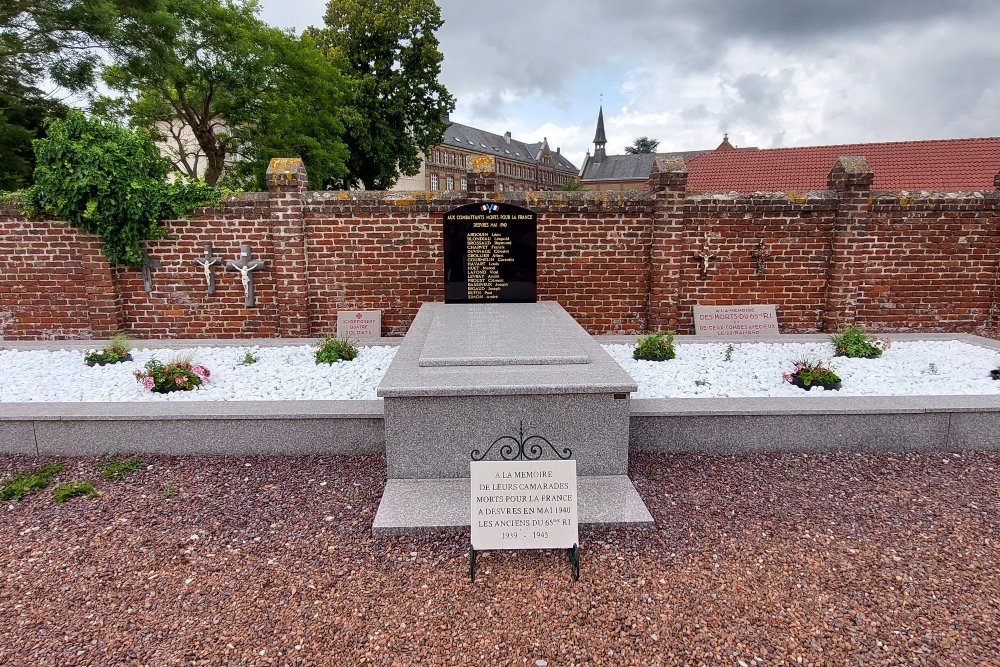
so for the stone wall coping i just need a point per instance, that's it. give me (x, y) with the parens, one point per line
(832, 405)
(156, 343)
(191, 410)
(394, 341)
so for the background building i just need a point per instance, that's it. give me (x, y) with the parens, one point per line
(520, 166)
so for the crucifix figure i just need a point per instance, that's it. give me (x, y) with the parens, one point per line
(206, 263)
(246, 265)
(147, 275)
(762, 257)
(705, 256)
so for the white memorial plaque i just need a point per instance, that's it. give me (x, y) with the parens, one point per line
(359, 324)
(755, 320)
(524, 505)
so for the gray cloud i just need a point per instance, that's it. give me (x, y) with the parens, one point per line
(768, 72)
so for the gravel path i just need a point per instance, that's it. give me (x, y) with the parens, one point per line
(756, 559)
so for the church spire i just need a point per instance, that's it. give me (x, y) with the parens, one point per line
(599, 137)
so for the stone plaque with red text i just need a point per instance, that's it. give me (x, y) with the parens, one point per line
(750, 321)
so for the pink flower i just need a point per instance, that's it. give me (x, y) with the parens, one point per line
(788, 377)
(148, 383)
(179, 380)
(201, 372)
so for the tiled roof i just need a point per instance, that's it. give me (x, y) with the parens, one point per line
(624, 167)
(952, 165)
(487, 143)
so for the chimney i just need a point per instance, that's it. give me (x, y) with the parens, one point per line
(506, 137)
(557, 150)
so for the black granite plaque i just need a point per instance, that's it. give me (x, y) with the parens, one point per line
(490, 254)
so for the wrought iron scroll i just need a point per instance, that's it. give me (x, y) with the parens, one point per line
(521, 448)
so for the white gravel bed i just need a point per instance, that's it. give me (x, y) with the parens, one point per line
(281, 374)
(913, 368)
(700, 370)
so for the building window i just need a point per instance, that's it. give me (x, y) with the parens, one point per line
(434, 182)
(465, 183)
(449, 183)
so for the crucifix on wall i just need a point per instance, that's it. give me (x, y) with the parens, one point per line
(206, 263)
(704, 257)
(246, 265)
(147, 271)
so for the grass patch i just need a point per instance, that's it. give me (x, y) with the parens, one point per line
(169, 490)
(658, 346)
(25, 483)
(249, 358)
(335, 349)
(115, 469)
(654, 477)
(70, 490)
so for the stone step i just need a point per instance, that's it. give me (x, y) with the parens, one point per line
(419, 505)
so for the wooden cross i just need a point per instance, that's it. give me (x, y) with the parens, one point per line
(206, 263)
(705, 256)
(246, 265)
(147, 275)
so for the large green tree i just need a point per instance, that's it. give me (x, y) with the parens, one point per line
(389, 51)
(42, 42)
(642, 145)
(217, 84)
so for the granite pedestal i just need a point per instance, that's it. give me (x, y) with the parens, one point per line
(469, 374)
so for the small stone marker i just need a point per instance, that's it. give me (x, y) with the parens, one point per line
(490, 254)
(206, 263)
(753, 320)
(524, 505)
(359, 324)
(246, 265)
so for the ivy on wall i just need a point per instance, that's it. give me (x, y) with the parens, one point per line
(110, 181)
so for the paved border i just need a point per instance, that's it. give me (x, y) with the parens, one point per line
(711, 425)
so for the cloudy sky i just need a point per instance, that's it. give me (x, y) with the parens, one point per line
(770, 73)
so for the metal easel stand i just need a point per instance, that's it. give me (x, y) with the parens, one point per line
(572, 555)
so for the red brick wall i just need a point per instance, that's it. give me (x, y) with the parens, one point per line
(618, 262)
(927, 265)
(43, 292)
(797, 236)
(179, 305)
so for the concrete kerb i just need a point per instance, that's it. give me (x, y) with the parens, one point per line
(356, 427)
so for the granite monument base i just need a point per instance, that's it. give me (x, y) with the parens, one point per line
(501, 382)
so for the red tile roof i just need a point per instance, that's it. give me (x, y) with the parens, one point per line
(950, 165)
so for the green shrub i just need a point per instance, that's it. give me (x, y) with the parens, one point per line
(25, 483)
(109, 181)
(115, 469)
(116, 350)
(69, 490)
(854, 342)
(249, 358)
(655, 347)
(335, 349)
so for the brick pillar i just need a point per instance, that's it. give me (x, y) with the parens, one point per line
(286, 187)
(993, 316)
(482, 178)
(668, 183)
(103, 300)
(851, 178)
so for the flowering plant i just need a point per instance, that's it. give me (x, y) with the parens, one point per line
(175, 375)
(807, 374)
